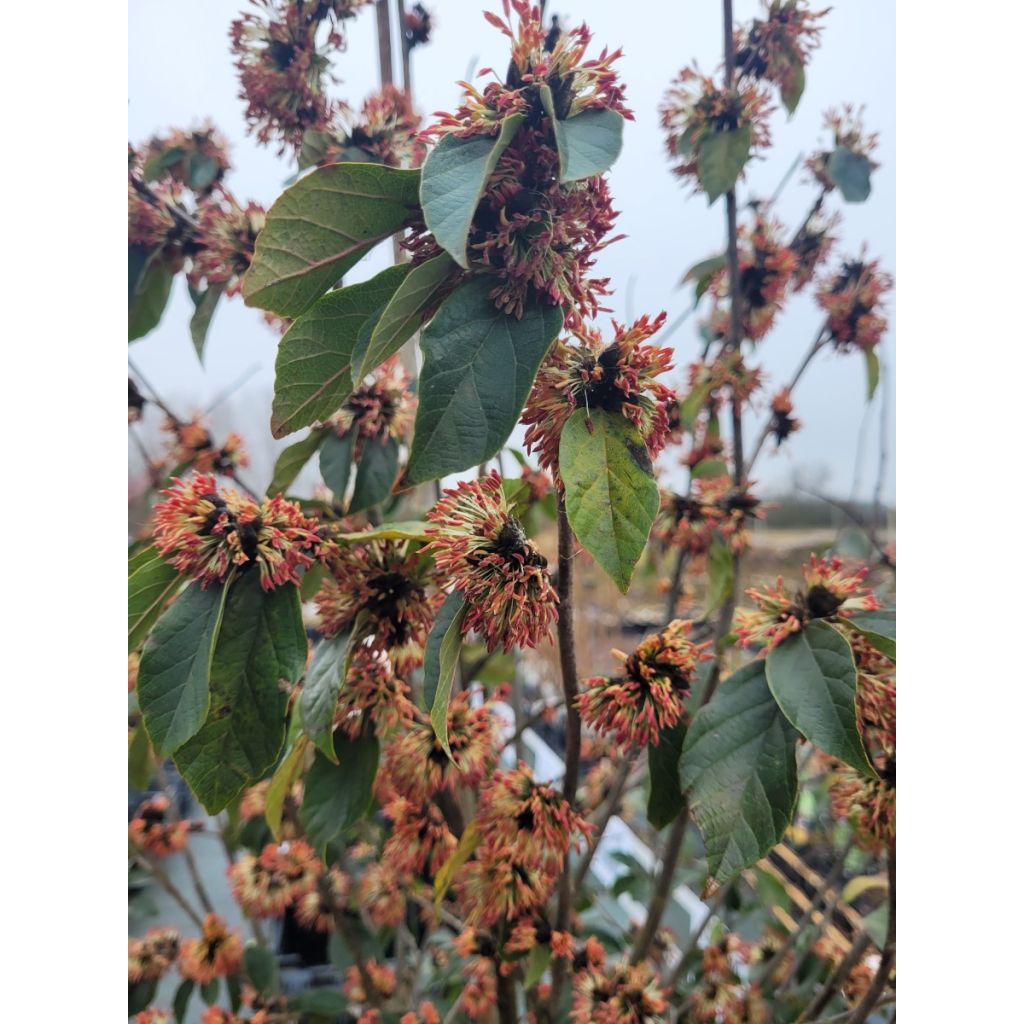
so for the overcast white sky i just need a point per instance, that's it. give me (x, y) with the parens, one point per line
(180, 71)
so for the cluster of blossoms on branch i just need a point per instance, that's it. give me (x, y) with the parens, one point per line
(846, 127)
(381, 407)
(205, 533)
(776, 47)
(852, 300)
(156, 830)
(714, 508)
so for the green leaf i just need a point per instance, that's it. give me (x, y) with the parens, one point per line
(314, 362)
(720, 573)
(140, 995)
(412, 530)
(152, 290)
(540, 959)
(199, 325)
(320, 227)
(261, 644)
(851, 173)
(376, 473)
(318, 700)
(721, 159)
(319, 1002)
(338, 795)
(202, 171)
(874, 371)
(140, 760)
(286, 775)
(138, 256)
(151, 582)
(336, 462)
(293, 459)
(794, 89)
(878, 628)
(181, 998)
(262, 970)
(455, 175)
(705, 268)
(692, 404)
(210, 991)
(588, 143)
(611, 497)
(876, 924)
(813, 677)
(478, 368)
(403, 315)
(665, 800)
(739, 770)
(174, 671)
(234, 986)
(468, 842)
(439, 662)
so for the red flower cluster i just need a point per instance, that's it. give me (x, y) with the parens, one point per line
(203, 534)
(372, 691)
(695, 108)
(852, 300)
(151, 957)
(193, 446)
(225, 239)
(776, 48)
(267, 885)
(217, 953)
(155, 830)
(619, 994)
(482, 548)
(620, 377)
(196, 158)
(847, 129)
(783, 423)
(811, 245)
(383, 130)
(831, 592)
(381, 407)
(648, 698)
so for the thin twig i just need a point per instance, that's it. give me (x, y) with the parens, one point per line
(878, 986)
(713, 907)
(172, 890)
(837, 977)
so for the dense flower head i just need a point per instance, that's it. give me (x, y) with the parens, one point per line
(372, 692)
(267, 885)
(618, 994)
(783, 422)
(776, 47)
(690, 521)
(155, 830)
(418, 23)
(415, 765)
(382, 407)
(846, 127)
(381, 977)
(538, 235)
(852, 300)
(315, 909)
(869, 805)
(766, 267)
(832, 591)
(384, 130)
(381, 894)
(811, 246)
(150, 222)
(728, 374)
(150, 957)
(203, 533)
(283, 67)
(695, 108)
(620, 377)
(495, 886)
(196, 158)
(225, 241)
(386, 587)
(482, 548)
(649, 696)
(216, 953)
(193, 445)
(739, 508)
(421, 841)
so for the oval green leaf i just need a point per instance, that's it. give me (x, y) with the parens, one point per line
(878, 628)
(336, 462)
(851, 173)
(151, 582)
(665, 800)
(440, 659)
(376, 473)
(721, 158)
(293, 459)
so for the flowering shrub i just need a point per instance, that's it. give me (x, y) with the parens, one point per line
(338, 679)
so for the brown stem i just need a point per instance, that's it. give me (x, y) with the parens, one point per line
(384, 42)
(837, 977)
(507, 1013)
(171, 889)
(204, 897)
(662, 886)
(878, 986)
(567, 661)
(675, 586)
(406, 63)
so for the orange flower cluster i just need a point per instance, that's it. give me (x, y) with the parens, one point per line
(150, 957)
(217, 953)
(267, 885)
(154, 830)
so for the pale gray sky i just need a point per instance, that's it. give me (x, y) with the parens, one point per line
(180, 71)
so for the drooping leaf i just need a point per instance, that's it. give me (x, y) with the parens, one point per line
(286, 775)
(440, 658)
(262, 970)
(293, 459)
(721, 158)
(199, 325)
(813, 677)
(537, 964)
(319, 697)
(140, 760)
(665, 800)
(793, 88)
(138, 256)
(174, 671)
(701, 272)
(147, 304)
(338, 795)
(140, 995)
(376, 473)
(320, 227)
(403, 315)
(313, 372)
(878, 628)
(691, 405)
(234, 987)
(151, 582)
(455, 174)
(851, 173)
(720, 573)
(336, 462)
(739, 771)
(412, 530)
(261, 645)
(478, 367)
(210, 992)
(874, 371)
(611, 497)
(588, 143)
(468, 842)
(181, 999)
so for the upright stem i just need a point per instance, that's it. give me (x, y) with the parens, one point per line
(662, 886)
(507, 1012)
(384, 42)
(406, 62)
(878, 986)
(675, 586)
(172, 890)
(570, 688)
